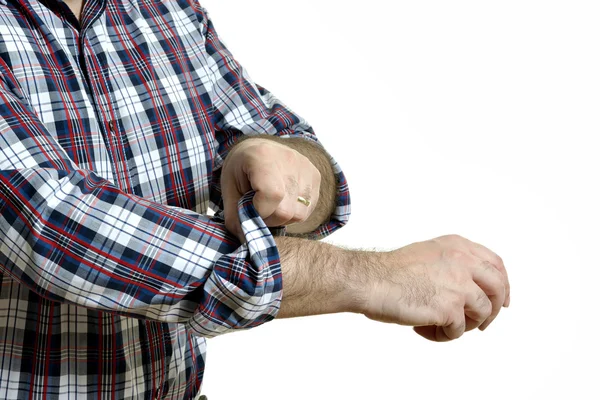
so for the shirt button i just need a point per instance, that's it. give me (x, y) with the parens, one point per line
(112, 126)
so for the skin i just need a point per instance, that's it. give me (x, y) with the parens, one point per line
(442, 287)
(279, 170)
(76, 6)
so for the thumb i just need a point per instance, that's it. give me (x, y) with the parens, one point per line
(428, 332)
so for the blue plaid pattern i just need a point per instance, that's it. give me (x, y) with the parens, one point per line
(113, 130)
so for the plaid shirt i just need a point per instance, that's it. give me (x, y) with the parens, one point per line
(112, 134)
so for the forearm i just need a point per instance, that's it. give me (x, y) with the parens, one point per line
(130, 255)
(319, 278)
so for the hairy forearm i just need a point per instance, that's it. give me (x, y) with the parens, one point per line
(319, 278)
(327, 190)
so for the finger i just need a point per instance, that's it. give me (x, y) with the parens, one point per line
(290, 210)
(478, 308)
(285, 211)
(270, 191)
(283, 215)
(491, 281)
(309, 192)
(454, 330)
(484, 253)
(471, 323)
(428, 332)
(302, 210)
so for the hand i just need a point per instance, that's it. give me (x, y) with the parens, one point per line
(443, 287)
(278, 174)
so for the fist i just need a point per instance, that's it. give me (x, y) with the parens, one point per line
(278, 174)
(443, 287)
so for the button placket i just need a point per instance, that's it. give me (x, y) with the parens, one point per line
(105, 101)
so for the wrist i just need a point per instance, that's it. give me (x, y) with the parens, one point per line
(361, 271)
(345, 278)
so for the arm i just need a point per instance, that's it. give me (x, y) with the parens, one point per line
(319, 278)
(243, 110)
(316, 155)
(326, 204)
(72, 236)
(443, 287)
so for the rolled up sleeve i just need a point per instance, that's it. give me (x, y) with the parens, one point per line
(74, 237)
(241, 108)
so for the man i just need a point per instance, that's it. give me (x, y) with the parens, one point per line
(120, 123)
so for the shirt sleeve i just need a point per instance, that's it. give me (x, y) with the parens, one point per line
(72, 236)
(241, 107)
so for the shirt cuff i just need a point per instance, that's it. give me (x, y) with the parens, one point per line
(251, 292)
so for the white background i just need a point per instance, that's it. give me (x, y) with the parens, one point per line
(472, 117)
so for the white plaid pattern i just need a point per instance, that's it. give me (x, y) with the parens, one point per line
(112, 134)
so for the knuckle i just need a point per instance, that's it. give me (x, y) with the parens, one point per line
(454, 236)
(452, 240)
(263, 149)
(486, 306)
(497, 291)
(499, 284)
(290, 155)
(449, 310)
(275, 193)
(488, 267)
(454, 254)
(284, 214)
(457, 302)
(498, 260)
(496, 276)
(303, 159)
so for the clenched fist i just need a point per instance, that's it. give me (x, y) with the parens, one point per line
(443, 287)
(278, 174)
